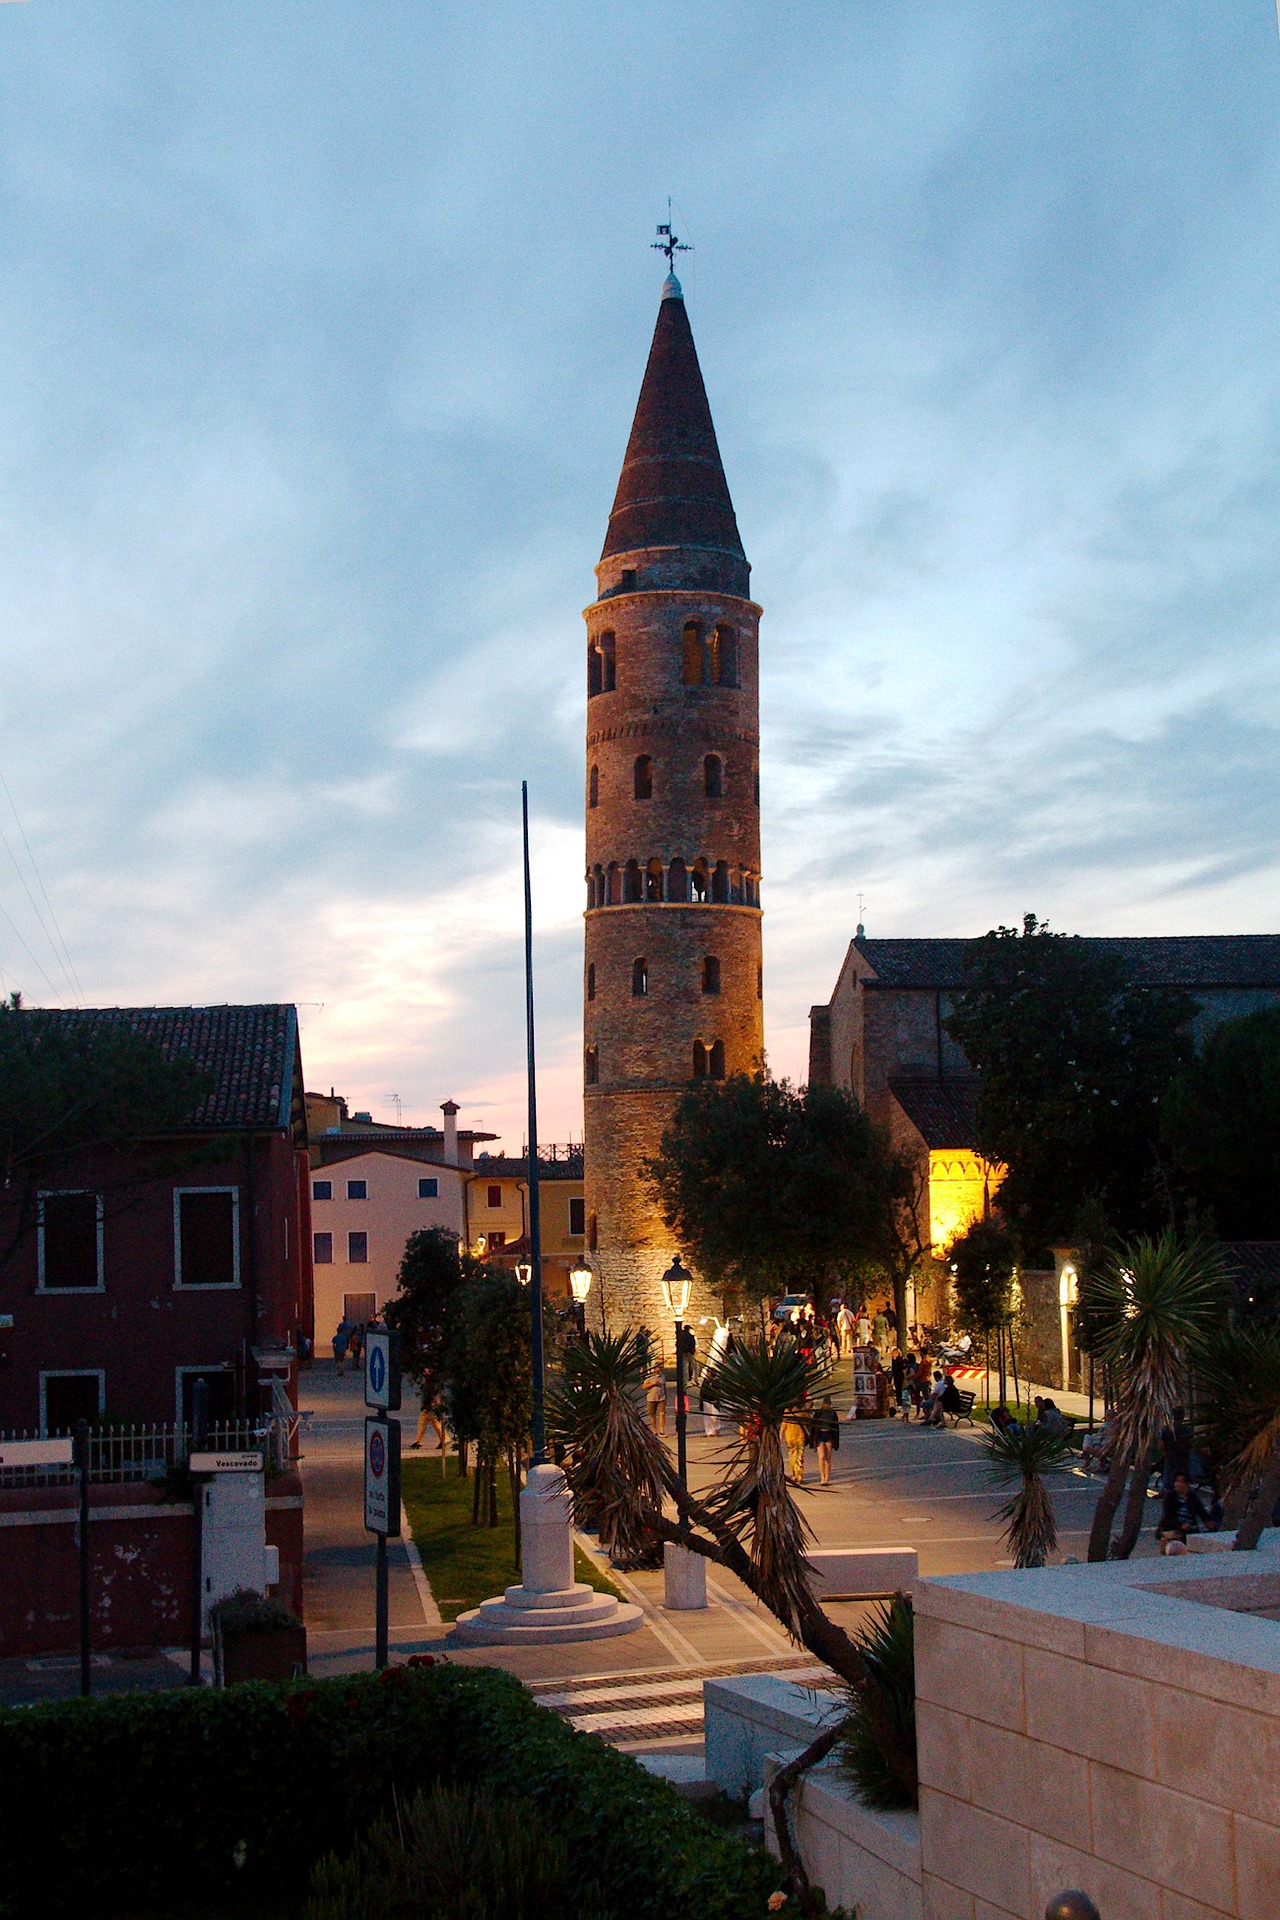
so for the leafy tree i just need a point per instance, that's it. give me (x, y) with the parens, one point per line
(768, 1187)
(75, 1083)
(1238, 1390)
(488, 1370)
(1221, 1122)
(982, 1262)
(428, 1284)
(1076, 1058)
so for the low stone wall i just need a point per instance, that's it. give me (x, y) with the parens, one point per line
(1113, 1727)
(750, 1716)
(862, 1859)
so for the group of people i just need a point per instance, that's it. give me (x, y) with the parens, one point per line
(348, 1344)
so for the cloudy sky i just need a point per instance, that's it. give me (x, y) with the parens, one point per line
(320, 331)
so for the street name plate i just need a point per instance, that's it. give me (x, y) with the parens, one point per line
(37, 1453)
(226, 1463)
(382, 1477)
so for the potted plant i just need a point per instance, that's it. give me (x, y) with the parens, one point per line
(255, 1638)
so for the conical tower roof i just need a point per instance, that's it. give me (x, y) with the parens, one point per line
(672, 492)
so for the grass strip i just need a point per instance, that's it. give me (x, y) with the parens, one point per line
(464, 1564)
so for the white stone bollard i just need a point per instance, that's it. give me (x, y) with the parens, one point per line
(685, 1579)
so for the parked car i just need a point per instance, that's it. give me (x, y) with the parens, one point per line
(789, 1305)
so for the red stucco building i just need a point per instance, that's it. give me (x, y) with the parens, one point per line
(145, 1268)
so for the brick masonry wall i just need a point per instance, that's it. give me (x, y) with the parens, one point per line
(644, 1045)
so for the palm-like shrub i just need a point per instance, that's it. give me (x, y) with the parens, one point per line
(888, 1644)
(1153, 1307)
(1238, 1377)
(616, 1462)
(1025, 1455)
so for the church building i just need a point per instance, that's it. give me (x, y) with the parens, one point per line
(673, 980)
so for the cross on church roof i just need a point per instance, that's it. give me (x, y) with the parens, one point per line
(669, 243)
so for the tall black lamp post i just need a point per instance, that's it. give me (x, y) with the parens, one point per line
(580, 1278)
(676, 1282)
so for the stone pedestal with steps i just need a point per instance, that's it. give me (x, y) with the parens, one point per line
(549, 1606)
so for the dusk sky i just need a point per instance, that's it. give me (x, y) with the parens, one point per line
(321, 328)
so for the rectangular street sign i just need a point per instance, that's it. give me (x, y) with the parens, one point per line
(382, 1369)
(226, 1463)
(382, 1477)
(37, 1453)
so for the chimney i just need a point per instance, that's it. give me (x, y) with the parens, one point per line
(450, 1111)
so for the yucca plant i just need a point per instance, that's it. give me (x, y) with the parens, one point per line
(1239, 1380)
(615, 1461)
(888, 1644)
(1025, 1455)
(1153, 1307)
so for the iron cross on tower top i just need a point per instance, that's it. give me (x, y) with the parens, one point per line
(669, 243)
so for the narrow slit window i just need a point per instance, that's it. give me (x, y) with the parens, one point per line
(593, 788)
(720, 883)
(691, 654)
(653, 881)
(700, 884)
(678, 881)
(713, 777)
(726, 649)
(699, 1061)
(639, 978)
(710, 974)
(631, 883)
(595, 671)
(713, 658)
(644, 777)
(591, 1066)
(717, 1060)
(591, 981)
(608, 663)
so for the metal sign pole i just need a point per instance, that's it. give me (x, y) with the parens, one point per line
(82, 1463)
(538, 1423)
(199, 1434)
(381, 1606)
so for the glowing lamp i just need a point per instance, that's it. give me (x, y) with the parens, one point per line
(524, 1272)
(676, 1282)
(580, 1278)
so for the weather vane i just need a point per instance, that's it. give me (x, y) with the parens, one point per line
(669, 243)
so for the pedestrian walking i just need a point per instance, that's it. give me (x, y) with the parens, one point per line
(793, 1439)
(357, 1346)
(846, 1325)
(826, 1438)
(341, 1337)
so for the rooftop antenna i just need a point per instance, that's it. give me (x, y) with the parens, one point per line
(671, 244)
(861, 905)
(398, 1104)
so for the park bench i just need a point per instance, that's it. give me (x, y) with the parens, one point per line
(965, 1409)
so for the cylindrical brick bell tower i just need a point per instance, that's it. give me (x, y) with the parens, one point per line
(673, 983)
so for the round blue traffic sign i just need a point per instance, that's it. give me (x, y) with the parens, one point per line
(377, 1454)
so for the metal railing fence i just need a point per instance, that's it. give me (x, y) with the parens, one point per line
(142, 1453)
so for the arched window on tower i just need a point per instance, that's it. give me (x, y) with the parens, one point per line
(593, 788)
(613, 885)
(710, 974)
(712, 777)
(591, 981)
(678, 881)
(726, 657)
(591, 1066)
(716, 1062)
(691, 654)
(591, 890)
(700, 883)
(720, 883)
(653, 881)
(639, 978)
(711, 658)
(631, 883)
(608, 663)
(595, 670)
(699, 1061)
(644, 778)
(601, 895)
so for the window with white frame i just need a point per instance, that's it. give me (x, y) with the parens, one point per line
(206, 1237)
(69, 1242)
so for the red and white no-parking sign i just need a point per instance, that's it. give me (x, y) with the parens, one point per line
(382, 1477)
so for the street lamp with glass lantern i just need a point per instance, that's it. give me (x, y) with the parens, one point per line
(676, 1282)
(524, 1272)
(580, 1278)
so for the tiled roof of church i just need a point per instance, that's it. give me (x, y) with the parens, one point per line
(249, 1053)
(943, 1112)
(1180, 960)
(672, 492)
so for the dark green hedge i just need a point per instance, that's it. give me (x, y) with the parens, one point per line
(145, 1800)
